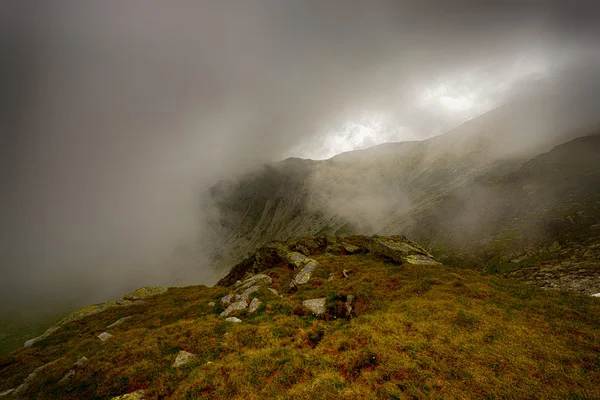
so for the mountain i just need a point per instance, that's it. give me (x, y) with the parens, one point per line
(321, 318)
(502, 187)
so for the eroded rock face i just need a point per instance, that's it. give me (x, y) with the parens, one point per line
(317, 306)
(237, 306)
(183, 357)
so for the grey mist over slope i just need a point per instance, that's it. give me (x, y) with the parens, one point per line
(119, 116)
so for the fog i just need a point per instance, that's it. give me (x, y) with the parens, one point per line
(117, 115)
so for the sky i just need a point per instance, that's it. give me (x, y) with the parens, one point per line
(117, 115)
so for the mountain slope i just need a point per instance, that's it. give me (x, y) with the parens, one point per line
(399, 325)
(501, 187)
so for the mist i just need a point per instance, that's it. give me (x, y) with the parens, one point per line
(118, 116)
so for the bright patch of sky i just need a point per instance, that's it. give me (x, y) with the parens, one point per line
(451, 100)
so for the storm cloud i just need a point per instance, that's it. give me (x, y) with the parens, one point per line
(116, 115)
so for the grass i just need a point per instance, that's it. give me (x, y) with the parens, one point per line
(416, 332)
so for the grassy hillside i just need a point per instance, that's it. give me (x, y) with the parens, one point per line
(415, 329)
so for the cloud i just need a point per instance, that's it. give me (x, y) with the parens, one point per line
(119, 114)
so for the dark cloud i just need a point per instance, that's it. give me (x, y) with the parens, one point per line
(117, 114)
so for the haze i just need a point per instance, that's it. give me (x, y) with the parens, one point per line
(117, 115)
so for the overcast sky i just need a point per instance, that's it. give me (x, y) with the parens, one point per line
(116, 114)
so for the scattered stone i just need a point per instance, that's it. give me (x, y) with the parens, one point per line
(256, 280)
(119, 321)
(246, 294)
(81, 362)
(317, 306)
(275, 292)
(137, 395)
(237, 306)
(596, 295)
(238, 283)
(346, 272)
(233, 319)
(296, 259)
(349, 300)
(104, 336)
(331, 276)
(209, 362)
(304, 275)
(183, 357)
(6, 392)
(78, 364)
(211, 304)
(254, 304)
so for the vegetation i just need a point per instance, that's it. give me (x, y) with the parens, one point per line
(415, 331)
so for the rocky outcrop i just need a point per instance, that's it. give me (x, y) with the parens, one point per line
(400, 250)
(237, 306)
(78, 364)
(119, 321)
(137, 395)
(183, 357)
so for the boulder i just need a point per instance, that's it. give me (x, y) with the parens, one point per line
(246, 294)
(254, 304)
(228, 299)
(317, 306)
(304, 275)
(183, 357)
(233, 319)
(237, 306)
(104, 336)
(400, 250)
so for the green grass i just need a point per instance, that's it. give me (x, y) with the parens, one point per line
(415, 333)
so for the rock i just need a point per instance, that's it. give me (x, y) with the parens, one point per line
(144, 292)
(304, 275)
(67, 376)
(78, 364)
(256, 280)
(349, 300)
(246, 294)
(296, 259)
(228, 299)
(81, 362)
(275, 292)
(317, 306)
(350, 248)
(254, 304)
(596, 295)
(104, 336)
(48, 332)
(237, 306)
(346, 272)
(183, 357)
(211, 304)
(119, 321)
(137, 395)
(6, 392)
(331, 276)
(233, 319)
(238, 283)
(401, 250)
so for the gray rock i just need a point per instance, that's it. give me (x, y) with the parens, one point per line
(67, 376)
(78, 364)
(298, 260)
(237, 306)
(246, 294)
(211, 304)
(350, 248)
(317, 306)
(233, 319)
(349, 301)
(81, 362)
(119, 321)
(259, 280)
(304, 275)
(275, 292)
(137, 395)
(254, 304)
(331, 276)
(25, 385)
(346, 273)
(596, 295)
(6, 392)
(183, 357)
(104, 336)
